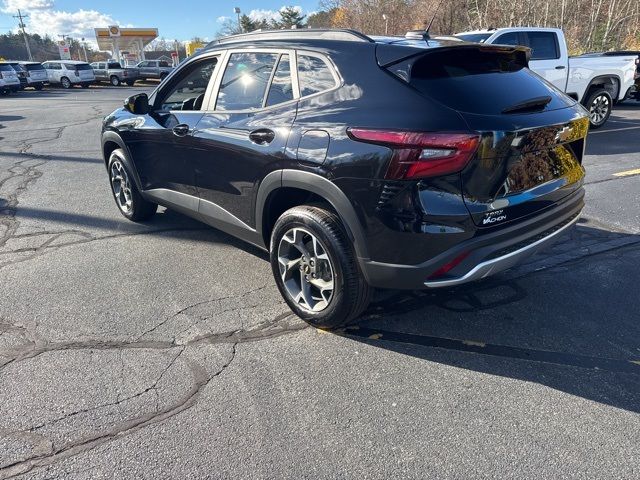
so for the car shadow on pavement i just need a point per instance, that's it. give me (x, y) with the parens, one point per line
(620, 135)
(52, 157)
(572, 327)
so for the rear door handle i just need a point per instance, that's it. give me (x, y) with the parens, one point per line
(181, 130)
(263, 136)
(560, 67)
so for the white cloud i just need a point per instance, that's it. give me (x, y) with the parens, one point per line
(270, 15)
(222, 19)
(12, 6)
(75, 24)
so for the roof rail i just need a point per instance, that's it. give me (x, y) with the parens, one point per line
(295, 34)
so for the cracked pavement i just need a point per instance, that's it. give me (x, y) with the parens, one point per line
(164, 349)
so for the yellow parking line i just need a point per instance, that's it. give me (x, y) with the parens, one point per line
(627, 173)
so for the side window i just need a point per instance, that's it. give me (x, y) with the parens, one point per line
(281, 89)
(245, 81)
(543, 45)
(188, 92)
(510, 38)
(163, 64)
(143, 64)
(314, 75)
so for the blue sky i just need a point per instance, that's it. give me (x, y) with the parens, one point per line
(190, 18)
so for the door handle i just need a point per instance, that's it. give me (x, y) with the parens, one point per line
(560, 67)
(263, 136)
(181, 130)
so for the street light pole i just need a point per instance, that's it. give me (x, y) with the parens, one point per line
(236, 10)
(386, 23)
(20, 18)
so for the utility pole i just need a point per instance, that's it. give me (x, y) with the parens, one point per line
(84, 47)
(20, 18)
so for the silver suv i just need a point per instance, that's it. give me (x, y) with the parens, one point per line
(68, 73)
(9, 81)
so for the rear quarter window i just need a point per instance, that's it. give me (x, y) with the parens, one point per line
(476, 81)
(34, 67)
(82, 66)
(314, 75)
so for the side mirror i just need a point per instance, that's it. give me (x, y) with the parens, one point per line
(137, 104)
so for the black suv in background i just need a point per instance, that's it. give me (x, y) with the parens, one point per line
(357, 162)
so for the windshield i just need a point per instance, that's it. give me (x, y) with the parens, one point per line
(474, 37)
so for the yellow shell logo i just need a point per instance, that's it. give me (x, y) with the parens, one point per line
(114, 30)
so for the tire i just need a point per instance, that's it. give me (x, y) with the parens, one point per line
(130, 204)
(130, 83)
(599, 104)
(65, 82)
(86, 85)
(114, 80)
(304, 283)
(39, 87)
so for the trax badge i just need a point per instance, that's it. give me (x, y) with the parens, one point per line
(494, 217)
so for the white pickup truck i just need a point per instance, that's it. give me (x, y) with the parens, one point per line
(596, 82)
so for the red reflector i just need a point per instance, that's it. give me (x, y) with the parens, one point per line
(421, 154)
(449, 266)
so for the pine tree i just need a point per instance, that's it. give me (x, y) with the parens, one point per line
(290, 17)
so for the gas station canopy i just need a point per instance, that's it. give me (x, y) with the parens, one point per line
(120, 40)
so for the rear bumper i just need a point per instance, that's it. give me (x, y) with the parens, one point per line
(485, 254)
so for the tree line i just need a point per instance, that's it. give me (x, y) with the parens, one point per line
(589, 25)
(44, 48)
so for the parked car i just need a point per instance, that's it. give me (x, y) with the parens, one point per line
(9, 81)
(155, 69)
(358, 163)
(31, 74)
(20, 72)
(114, 73)
(634, 91)
(597, 82)
(68, 73)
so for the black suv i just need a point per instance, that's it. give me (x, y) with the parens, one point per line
(357, 162)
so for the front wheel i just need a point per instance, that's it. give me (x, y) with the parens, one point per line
(125, 192)
(39, 87)
(65, 82)
(599, 103)
(315, 267)
(115, 81)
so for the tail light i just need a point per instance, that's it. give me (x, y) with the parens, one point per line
(2, 75)
(444, 269)
(421, 154)
(124, 73)
(77, 73)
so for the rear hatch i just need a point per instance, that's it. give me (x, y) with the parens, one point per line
(8, 74)
(532, 135)
(84, 71)
(36, 72)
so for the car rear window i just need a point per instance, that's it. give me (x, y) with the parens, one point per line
(33, 67)
(82, 66)
(479, 80)
(6, 68)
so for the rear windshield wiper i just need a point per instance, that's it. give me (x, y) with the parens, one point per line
(532, 104)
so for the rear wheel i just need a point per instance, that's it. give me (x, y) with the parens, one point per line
(126, 194)
(65, 82)
(115, 81)
(131, 83)
(599, 103)
(39, 87)
(315, 267)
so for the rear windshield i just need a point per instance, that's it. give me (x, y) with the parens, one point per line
(474, 37)
(81, 66)
(17, 67)
(6, 68)
(114, 65)
(480, 81)
(34, 66)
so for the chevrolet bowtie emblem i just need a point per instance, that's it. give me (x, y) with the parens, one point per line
(564, 134)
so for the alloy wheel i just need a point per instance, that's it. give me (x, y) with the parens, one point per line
(599, 109)
(121, 186)
(306, 270)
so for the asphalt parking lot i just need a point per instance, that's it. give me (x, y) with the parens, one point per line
(164, 350)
